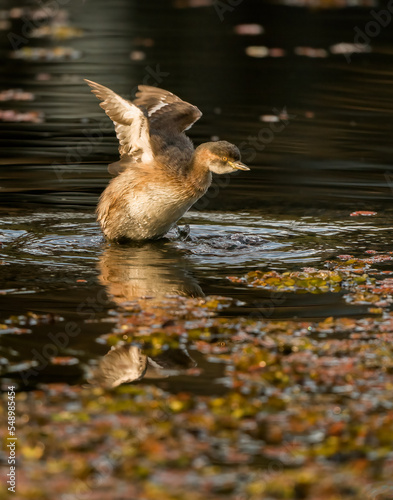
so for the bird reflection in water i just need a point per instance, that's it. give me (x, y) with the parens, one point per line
(141, 274)
(146, 271)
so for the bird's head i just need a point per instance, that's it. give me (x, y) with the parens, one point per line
(220, 157)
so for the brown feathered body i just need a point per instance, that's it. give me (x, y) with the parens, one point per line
(146, 200)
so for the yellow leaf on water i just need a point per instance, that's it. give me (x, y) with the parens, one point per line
(33, 452)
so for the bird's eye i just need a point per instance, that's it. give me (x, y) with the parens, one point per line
(224, 158)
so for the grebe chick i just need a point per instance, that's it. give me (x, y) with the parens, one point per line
(159, 175)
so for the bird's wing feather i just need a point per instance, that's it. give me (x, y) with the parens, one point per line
(165, 110)
(131, 124)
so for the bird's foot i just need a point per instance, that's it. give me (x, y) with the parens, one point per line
(183, 232)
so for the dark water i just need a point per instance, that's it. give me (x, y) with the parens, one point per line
(326, 155)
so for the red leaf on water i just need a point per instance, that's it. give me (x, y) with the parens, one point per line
(363, 212)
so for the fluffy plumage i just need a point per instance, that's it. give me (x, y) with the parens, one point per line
(159, 174)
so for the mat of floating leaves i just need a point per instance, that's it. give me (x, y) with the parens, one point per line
(379, 294)
(305, 415)
(308, 280)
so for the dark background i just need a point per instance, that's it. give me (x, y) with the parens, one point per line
(334, 152)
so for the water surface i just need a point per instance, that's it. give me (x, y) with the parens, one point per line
(313, 124)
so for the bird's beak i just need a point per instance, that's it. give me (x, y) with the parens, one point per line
(238, 165)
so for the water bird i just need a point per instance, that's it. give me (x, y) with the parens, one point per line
(160, 174)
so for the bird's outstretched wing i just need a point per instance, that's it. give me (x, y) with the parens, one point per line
(131, 125)
(166, 112)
